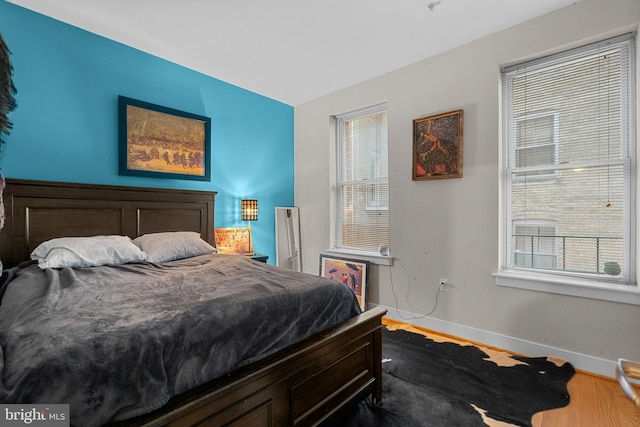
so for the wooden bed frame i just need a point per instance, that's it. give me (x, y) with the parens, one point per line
(305, 384)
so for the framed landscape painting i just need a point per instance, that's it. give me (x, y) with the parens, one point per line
(352, 273)
(161, 142)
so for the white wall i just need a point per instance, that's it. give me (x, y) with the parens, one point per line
(449, 228)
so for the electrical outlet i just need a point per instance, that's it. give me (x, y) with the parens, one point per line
(444, 285)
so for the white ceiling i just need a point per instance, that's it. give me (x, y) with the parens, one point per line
(294, 51)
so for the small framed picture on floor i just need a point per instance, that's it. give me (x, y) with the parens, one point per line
(352, 273)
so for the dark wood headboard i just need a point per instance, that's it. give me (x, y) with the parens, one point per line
(37, 211)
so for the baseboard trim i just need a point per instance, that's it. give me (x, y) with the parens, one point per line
(580, 361)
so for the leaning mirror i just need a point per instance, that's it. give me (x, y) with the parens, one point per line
(288, 238)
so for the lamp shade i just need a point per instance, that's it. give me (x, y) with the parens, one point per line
(249, 210)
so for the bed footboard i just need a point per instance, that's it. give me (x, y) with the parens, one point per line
(302, 385)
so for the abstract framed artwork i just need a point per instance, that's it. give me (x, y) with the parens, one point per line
(352, 273)
(235, 241)
(161, 142)
(437, 146)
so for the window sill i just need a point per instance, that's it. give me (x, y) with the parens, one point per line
(627, 294)
(372, 257)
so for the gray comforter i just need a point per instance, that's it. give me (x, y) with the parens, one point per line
(114, 342)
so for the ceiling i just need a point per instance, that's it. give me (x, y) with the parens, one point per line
(294, 51)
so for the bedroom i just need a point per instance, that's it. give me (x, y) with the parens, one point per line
(66, 76)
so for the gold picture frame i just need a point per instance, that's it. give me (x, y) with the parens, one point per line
(437, 146)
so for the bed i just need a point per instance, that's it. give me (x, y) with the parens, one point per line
(309, 375)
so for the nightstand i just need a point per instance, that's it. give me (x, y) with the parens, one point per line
(258, 257)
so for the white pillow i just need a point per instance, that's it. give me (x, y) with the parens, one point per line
(169, 246)
(87, 252)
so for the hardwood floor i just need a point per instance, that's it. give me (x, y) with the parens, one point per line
(596, 401)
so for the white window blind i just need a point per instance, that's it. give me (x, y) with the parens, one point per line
(569, 160)
(362, 180)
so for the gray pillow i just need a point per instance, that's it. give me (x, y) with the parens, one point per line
(86, 252)
(169, 246)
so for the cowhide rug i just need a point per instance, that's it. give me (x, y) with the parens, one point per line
(433, 382)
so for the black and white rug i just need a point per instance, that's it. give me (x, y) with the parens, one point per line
(448, 383)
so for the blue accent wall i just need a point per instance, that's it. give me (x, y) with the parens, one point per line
(66, 127)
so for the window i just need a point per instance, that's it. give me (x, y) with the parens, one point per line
(362, 181)
(536, 142)
(535, 245)
(568, 165)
